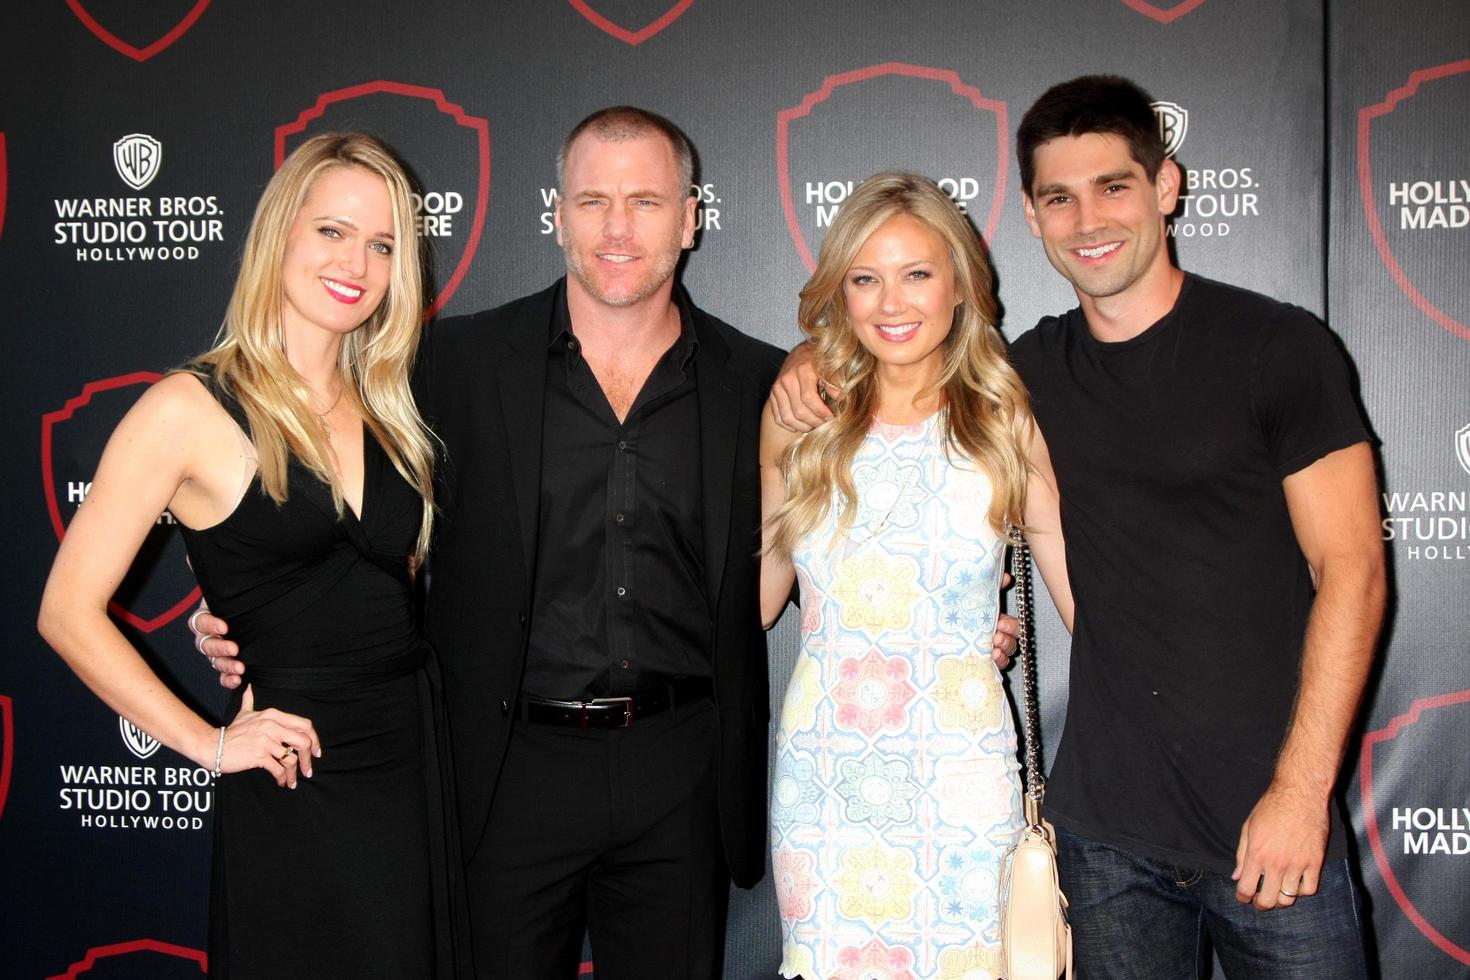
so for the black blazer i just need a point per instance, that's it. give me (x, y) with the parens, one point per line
(481, 384)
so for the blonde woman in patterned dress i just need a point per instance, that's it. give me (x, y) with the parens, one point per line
(896, 786)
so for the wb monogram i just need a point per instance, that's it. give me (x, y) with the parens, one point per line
(137, 157)
(1173, 125)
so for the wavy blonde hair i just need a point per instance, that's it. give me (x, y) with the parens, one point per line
(249, 358)
(986, 409)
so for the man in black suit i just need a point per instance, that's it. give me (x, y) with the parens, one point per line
(594, 580)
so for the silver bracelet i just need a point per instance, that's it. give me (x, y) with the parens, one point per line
(219, 753)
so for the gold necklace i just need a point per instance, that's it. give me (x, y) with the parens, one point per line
(321, 417)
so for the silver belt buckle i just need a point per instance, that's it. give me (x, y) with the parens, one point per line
(627, 709)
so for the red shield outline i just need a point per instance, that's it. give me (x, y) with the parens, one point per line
(134, 946)
(1370, 817)
(1162, 15)
(48, 422)
(1370, 206)
(4, 180)
(622, 33)
(122, 47)
(7, 747)
(833, 82)
(480, 126)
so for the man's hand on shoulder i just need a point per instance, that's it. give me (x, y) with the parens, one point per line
(1282, 843)
(796, 398)
(209, 639)
(1003, 643)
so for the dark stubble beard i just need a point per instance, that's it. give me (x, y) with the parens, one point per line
(664, 264)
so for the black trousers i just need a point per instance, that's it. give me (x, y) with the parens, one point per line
(612, 832)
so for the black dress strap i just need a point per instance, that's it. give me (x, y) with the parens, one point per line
(222, 394)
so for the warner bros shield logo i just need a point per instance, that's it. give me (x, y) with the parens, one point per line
(654, 16)
(1412, 764)
(139, 742)
(137, 158)
(928, 120)
(1173, 125)
(1462, 448)
(445, 148)
(1411, 169)
(163, 20)
(159, 587)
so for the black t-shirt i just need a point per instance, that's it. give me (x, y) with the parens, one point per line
(1192, 593)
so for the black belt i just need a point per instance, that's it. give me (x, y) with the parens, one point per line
(613, 712)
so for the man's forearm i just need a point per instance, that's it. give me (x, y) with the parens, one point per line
(1337, 656)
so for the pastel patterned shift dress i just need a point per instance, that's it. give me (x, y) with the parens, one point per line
(896, 784)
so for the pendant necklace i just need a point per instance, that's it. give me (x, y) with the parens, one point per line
(321, 417)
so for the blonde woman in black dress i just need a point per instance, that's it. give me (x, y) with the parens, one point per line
(294, 458)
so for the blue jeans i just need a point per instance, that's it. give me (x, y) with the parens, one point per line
(1138, 919)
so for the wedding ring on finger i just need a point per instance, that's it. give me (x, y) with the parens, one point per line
(1289, 894)
(199, 639)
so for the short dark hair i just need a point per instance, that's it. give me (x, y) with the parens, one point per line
(625, 122)
(1091, 104)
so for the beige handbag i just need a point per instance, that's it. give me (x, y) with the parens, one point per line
(1036, 940)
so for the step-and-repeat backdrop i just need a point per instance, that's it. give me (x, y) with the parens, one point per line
(1328, 163)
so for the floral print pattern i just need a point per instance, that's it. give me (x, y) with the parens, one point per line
(874, 961)
(803, 693)
(794, 793)
(876, 592)
(876, 790)
(888, 495)
(895, 789)
(795, 871)
(969, 883)
(967, 601)
(972, 790)
(971, 963)
(874, 693)
(876, 883)
(969, 696)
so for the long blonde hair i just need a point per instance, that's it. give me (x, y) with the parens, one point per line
(986, 410)
(249, 359)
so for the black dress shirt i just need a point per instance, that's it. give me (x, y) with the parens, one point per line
(619, 605)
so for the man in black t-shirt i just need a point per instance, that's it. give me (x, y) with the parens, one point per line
(1219, 506)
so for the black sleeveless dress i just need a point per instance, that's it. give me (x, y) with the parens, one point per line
(350, 874)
